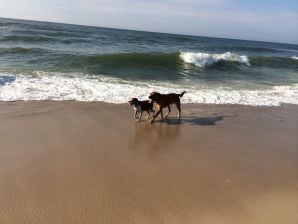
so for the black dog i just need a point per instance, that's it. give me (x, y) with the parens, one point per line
(141, 106)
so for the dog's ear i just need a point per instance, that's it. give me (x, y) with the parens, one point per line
(155, 96)
(150, 96)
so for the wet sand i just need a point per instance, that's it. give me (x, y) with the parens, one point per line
(71, 162)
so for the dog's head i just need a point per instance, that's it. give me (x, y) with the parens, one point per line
(155, 96)
(133, 102)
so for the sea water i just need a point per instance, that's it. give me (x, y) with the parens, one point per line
(51, 61)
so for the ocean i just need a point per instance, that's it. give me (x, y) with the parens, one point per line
(51, 61)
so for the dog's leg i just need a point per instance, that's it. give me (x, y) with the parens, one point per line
(140, 117)
(179, 109)
(158, 112)
(148, 112)
(135, 115)
(161, 113)
(169, 107)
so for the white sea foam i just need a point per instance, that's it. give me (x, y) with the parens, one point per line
(58, 87)
(295, 57)
(203, 59)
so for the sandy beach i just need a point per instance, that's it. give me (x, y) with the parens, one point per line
(73, 162)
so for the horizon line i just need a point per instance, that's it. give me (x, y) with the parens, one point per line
(146, 31)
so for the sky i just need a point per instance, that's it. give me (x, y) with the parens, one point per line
(262, 20)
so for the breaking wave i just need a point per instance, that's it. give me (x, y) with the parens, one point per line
(205, 59)
(54, 86)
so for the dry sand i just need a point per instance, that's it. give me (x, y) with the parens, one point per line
(71, 162)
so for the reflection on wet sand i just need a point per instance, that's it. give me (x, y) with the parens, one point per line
(154, 137)
(157, 135)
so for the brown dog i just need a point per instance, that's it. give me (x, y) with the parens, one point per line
(165, 100)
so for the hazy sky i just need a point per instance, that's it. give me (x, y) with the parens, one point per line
(267, 20)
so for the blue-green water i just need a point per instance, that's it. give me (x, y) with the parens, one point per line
(49, 61)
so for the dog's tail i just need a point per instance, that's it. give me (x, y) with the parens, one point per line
(182, 94)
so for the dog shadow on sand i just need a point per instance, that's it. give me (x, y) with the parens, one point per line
(190, 120)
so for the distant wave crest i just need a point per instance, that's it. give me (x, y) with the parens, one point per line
(204, 59)
(21, 50)
(27, 38)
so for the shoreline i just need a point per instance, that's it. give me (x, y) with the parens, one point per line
(90, 162)
(125, 104)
